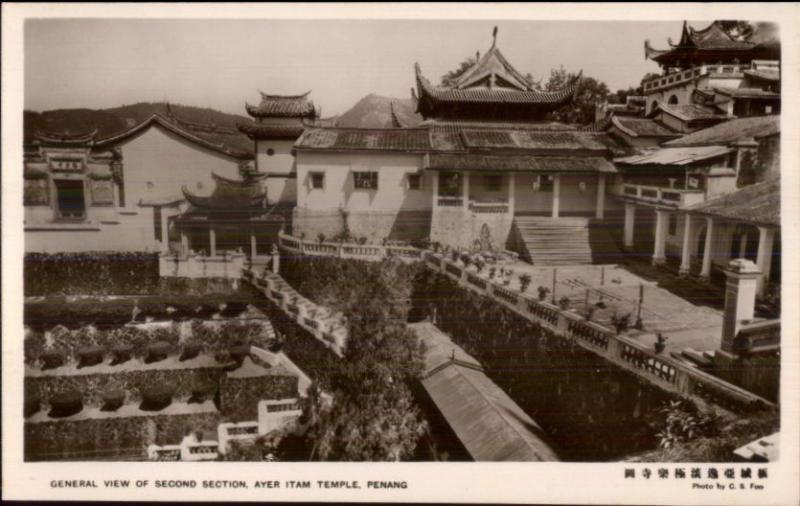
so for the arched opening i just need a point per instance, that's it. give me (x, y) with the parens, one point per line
(673, 100)
(744, 242)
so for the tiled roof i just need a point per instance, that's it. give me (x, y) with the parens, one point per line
(711, 38)
(747, 92)
(530, 140)
(731, 131)
(642, 127)
(690, 112)
(271, 130)
(66, 138)
(494, 95)
(517, 162)
(490, 425)
(230, 195)
(493, 65)
(215, 142)
(759, 204)
(765, 75)
(392, 139)
(674, 156)
(283, 106)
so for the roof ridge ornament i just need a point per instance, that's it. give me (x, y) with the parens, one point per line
(494, 37)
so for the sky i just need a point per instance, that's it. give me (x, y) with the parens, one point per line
(101, 63)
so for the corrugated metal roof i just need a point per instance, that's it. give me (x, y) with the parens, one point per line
(759, 204)
(731, 131)
(518, 162)
(675, 156)
(490, 425)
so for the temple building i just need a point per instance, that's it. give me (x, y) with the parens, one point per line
(483, 168)
(744, 69)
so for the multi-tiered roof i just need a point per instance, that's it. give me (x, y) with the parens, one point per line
(491, 89)
(714, 44)
(279, 116)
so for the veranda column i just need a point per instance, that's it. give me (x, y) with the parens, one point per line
(742, 245)
(556, 195)
(435, 191)
(766, 238)
(630, 216)
(705, 272)
(465, 191)
(511, 190)
(686, 252)
(661, 236)
(212, 241)
(252, 245)
(164, 231)
(184, 242)
(601, 196)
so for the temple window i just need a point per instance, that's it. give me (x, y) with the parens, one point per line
(673, 100)
(70, 199)
(317, 180)
(365, 180)
(415, 181)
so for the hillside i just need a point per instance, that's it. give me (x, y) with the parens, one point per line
(374, 111)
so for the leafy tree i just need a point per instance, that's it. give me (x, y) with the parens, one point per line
(590, 92)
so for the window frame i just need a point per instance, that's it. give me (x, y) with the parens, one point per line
(368, 176)
(312, 175)
(56, 201)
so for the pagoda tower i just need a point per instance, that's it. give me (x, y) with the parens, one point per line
(278, 120)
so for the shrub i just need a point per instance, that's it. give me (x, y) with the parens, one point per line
(157, 351)
(113, 399)
(524, 282)
(543, 291)
(492, 272)
(90, 355)
(157, 397)
(589, 314)
(320, 237)
(121, 353)
(52, 359)
(190, 350)
(65, 404)
(563, 303)
(684, 423)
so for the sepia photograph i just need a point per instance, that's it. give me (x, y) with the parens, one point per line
(490, 240)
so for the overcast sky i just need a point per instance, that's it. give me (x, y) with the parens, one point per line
(97, 63)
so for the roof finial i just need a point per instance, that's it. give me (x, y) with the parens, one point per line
(494, 36)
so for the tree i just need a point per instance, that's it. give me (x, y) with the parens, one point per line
(590, 92)
(373, 416)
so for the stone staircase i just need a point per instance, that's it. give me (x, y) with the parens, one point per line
(563, 241)
(554, 241)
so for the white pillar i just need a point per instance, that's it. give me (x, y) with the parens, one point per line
(465, 190)
(630, 216)
(705, 272)
(556, 195)
(164, 231)
(740, 297)
(252, 245)
(661, 236)
(686, 252)
(511, 191)
(601, 196)
(212, 240)
(435, 190)
(766, 238)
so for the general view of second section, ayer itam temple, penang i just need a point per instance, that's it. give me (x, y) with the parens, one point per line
(495, 269)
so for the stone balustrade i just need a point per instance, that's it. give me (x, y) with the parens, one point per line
(370, 252)
(661, 370)
(228, 265)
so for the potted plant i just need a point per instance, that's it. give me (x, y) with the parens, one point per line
(543, 291)
(320, 237)
(524, 282)
(492, 272)
(589, 313)
(509, 275)
(563, 303)
(661, 342)
(620, 323)
(479, 265)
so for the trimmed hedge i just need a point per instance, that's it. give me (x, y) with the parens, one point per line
(63, 404)
(91, 272)
(157, 397)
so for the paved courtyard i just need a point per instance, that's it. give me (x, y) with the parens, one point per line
(612, 289)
